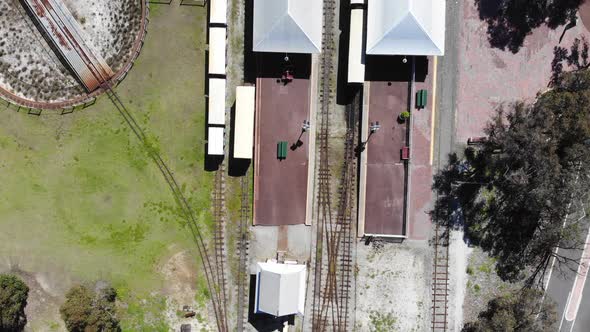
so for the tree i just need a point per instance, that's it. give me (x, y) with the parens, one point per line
(575, 58)
(87, 310)
(515, 190)
(13, 300)
(510, 21)
(523, 311)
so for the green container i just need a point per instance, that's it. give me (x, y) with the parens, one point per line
(419, 99)
(424, 97)
(282, 150)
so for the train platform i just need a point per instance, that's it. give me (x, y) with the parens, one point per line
(395, 196)
(282, 189)
(383, 172)
(422, 142)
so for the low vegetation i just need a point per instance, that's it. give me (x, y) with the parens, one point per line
(89, 309)
(13, 300)
(522, 311)
(516, 188)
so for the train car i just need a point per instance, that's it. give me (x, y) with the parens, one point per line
(215, 141)
(217, 46)
(244, 122)
(356, 54)
(218, 12)
(216, 101)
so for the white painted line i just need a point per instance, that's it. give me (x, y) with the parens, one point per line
(578, 286)
(433, 112)
(563, 314)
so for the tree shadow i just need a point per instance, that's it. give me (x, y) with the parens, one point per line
(510, 21)
(576, 58)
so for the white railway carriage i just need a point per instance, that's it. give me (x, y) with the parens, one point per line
(244, 122)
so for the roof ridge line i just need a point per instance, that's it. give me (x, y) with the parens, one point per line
(276, 22)
(424, 30)
(302, 30)
(388, 30)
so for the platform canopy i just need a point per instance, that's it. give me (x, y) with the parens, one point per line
(289, 26)
(280, 288)
(406, 27)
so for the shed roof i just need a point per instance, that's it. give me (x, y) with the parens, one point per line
(292, 26)
(280, 288)
(406, 27)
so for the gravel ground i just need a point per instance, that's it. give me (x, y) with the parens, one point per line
(30, 69)
(482, 284)
(393, 286)
(459, 254)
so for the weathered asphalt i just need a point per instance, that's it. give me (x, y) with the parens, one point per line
(559, 288)
(447, 82)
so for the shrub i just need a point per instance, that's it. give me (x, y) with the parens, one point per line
(89, 310)
(13, 300)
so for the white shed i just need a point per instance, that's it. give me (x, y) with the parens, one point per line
(280, 288)
(406, 27)
(290, 26)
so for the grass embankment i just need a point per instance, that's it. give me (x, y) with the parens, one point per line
(80, 200)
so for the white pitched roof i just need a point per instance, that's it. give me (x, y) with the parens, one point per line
(291, 26)
(406, 27)
(280, 288)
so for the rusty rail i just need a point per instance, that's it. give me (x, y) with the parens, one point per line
(333, 255)
(440, 280)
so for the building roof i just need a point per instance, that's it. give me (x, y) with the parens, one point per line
(291, 26)
(280, 288)
(406, 27)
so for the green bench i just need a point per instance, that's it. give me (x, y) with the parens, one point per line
(282, 150)
(421, 98)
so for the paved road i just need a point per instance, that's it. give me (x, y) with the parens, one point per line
(447, 82)
(560, 288)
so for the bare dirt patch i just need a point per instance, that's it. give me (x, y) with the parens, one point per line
(180, 290)
(393, 287)
(30, 69)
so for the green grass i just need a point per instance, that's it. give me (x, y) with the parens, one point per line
(79, 196)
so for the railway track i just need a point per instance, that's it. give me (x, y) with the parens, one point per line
(440, 280)
(214, 272)
(218, 202)
(242, 252)
(333, 256)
